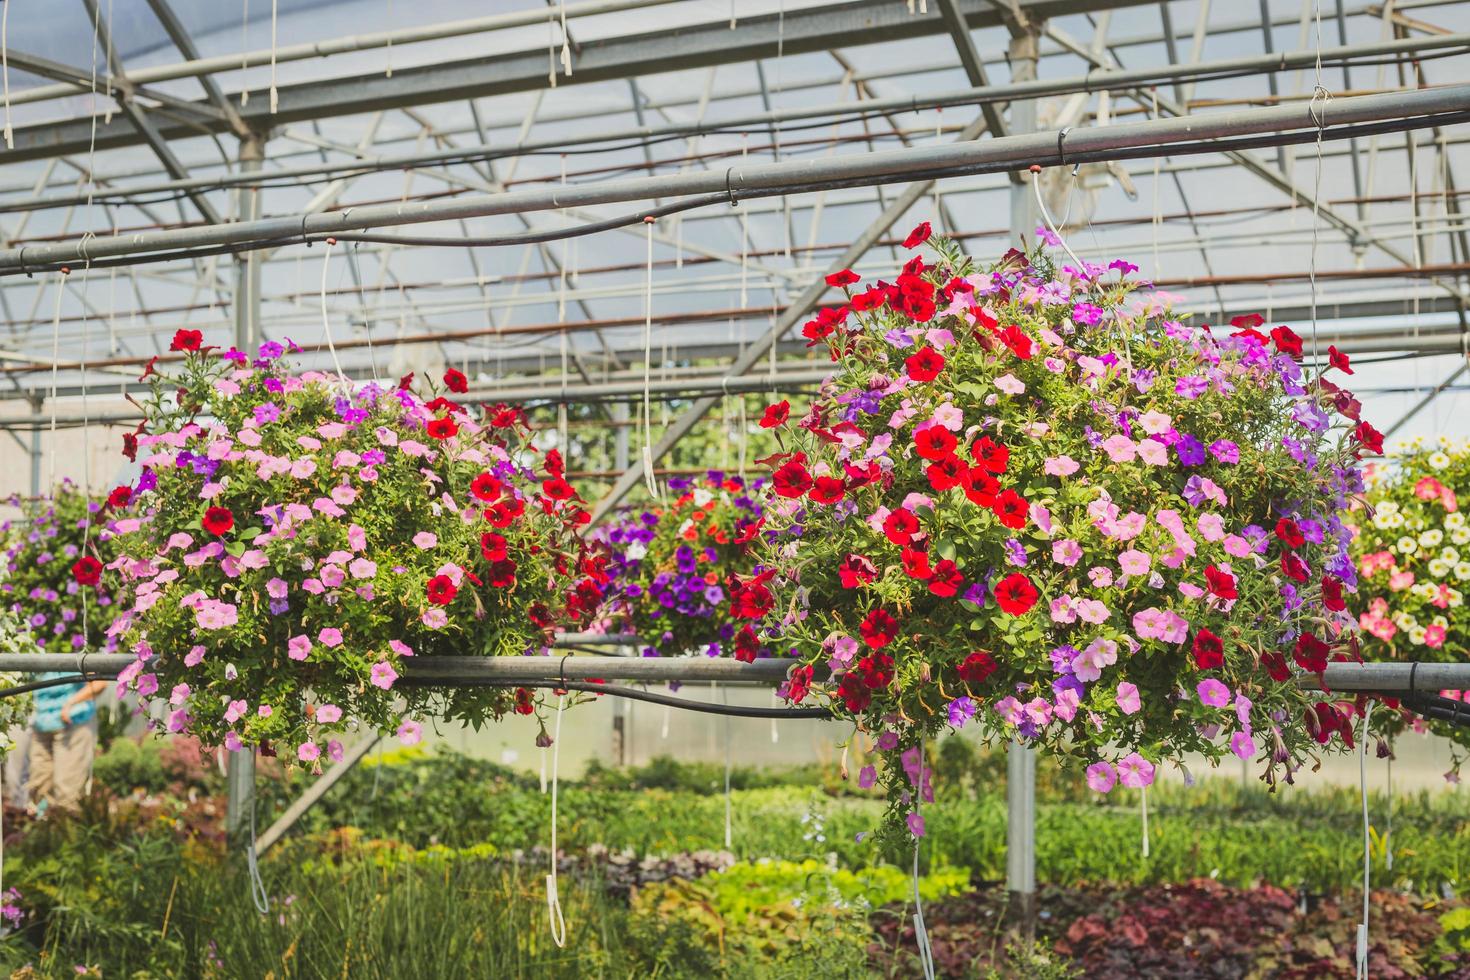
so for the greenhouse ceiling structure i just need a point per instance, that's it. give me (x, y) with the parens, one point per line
(394, 187)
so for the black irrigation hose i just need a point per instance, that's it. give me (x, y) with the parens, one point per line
(638, 694)
(19, 689)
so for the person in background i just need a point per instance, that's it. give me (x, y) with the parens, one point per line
(63, 742)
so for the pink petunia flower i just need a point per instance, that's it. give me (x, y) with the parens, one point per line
(308, 752)
(410, 733)
(330, 636)
(383, 675)
(1101, 777)
(328, 714)
(1128, 700)
(298, 647)
(1135, 772)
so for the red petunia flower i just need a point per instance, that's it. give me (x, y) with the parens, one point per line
(876, 670)
(1293, 567)
(492, 546)
(935, 442)
(1286, 340)
(1015, 594)
(558, 489)
(977, 666)
(1370, 438)
(878, 629)
(854, 696)
(456, 382)
(186, 340)
(992, 455)
(130, 446)
(1275, 665)
(442, 428)
(870, 300)
(900, 526)
(747, 645)
(524, 705)
(554, 464)
(405, 382)
(119, 497)
(947, 579)
(1311, 653)
(486, 487)
(918, 236)
(1015, 338)
(792, 479)
(751, 600)
(981, 488)
(856, 570)
(87, 570)
(799, 684)
(504, 416)
(1010, 509)
(502, 574)
(1289, 533)
(503, 512)
(1332, 596)
(1209, 650)
(1339, 360)
(844, 278)
(916, 564)
(217, 520)
(441, 590)
(1220, 583)
(826, 490)
(925, 364)
(947, 473)
(1247, 321)
(776, 414)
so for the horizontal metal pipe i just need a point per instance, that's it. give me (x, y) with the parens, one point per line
(761, 180)
(450, 671)
(1394, 678)
(1097, 80)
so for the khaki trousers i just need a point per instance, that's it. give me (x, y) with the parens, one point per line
(61, 764)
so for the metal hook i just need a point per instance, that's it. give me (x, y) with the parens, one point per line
(1061, 148)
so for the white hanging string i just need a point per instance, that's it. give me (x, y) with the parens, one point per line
(649, 480)
(566, 42)
(543, 770)
(1367, 845)
(244, 49)
(551, 52)
(1158, 216)
(553, 901)
(388, 50)
(326, 319)
(729, 805)
(86, 426)
(1388, 829)
(55, 367)
(5, 70)
(663, 731)
(1317, 108)
(732, 15)
(274, 100)
(921, 934)
(1143, 804)
(775, 732)
(744, 232)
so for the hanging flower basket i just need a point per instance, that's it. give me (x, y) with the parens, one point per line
(670, 564)
(1031, 501)
(55, 583)
(1411, 541)
(293, 542)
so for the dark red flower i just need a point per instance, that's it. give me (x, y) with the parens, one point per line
(1209, 650)
(486, 487)
(799, 684)
(492, 546)
(187, 340)
(792, 479)
(977, 666)
(130, 446)
(1247, 321)
(1311, 654)
(554, 464)
(856, 570)
(844, 278)
(947, 579)
(405, 382)
(918, 236)
(503, 512)
(502, 574)
(87, 570)
(870, 300)
(442, 428)
(981, 488)
(119, 497)
(826, 490)
(935, 442)
(915, 563)
(1010, 509)
(217, 520)
(1286, 340)
(1339, 360)
(1275, 665)
(1370, 438)
(1293, 567)
(776, 414)
(747, 645)
(900, 526)
(524, 705)
(1332, 596)
(751, 600)
(504, 416)
(854, 695)
(878, 629)
(456, 382)
(148, 368)
(925, 364)
(947, 473)
(876, 670)
(1015, 338)
(1015, 594)
(992, 455)
(1289, 533)
(558, 489)
(441, 590)
(1220, 583)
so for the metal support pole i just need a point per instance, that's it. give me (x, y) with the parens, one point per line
(247, 264)
(1021, 759)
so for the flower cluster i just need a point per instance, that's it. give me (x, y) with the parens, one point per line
(54, 555)
(1032, 501)
(670, 565)
(293, 541)
(15, 710)
(1412, 546)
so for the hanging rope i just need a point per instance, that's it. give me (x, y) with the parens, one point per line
(55, 366)
(1143, 803)
(1317, 109)
(1388, 828)
(1367, 845)
(649, 480)
(252, 867)
(566, 42)
(5, 70)
(921, 934)
(729, 805)
(244, 48)
(553, 901)
(327, 320)
(388, 49)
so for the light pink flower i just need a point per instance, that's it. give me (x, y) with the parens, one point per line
(1133, 562)
(363, 568)
(356, 538)
(410, 733)
(330, 636)
(1120, 448)
(1100, 653)
(194, 656)
(232, 742)
(1009, 709)
(425, 540)
(1060, 466)
(1243, 745)
(235, 711)
(1066, 552)
(1010, 384)
(314, 586)
(334, 750)
(1101, 576)
(1128, 700)
(383, 675)
(328, 713)
(308, 752)
(1211, 526)
(1153, 452)
(178, 720)
(1101, 778)
(1155, 423)
(1067, 704)
(298, 647)
(1135, 772)
(400, 648)
(344, 494)
(435, 618)
(1212, 693)
(949, 416)
(1091, 611)
(179, 694)
(277, 588)
(1062, 610)
(265, 711)
(332, 576)
(303, 468)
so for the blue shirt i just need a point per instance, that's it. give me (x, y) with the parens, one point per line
(49, 701)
